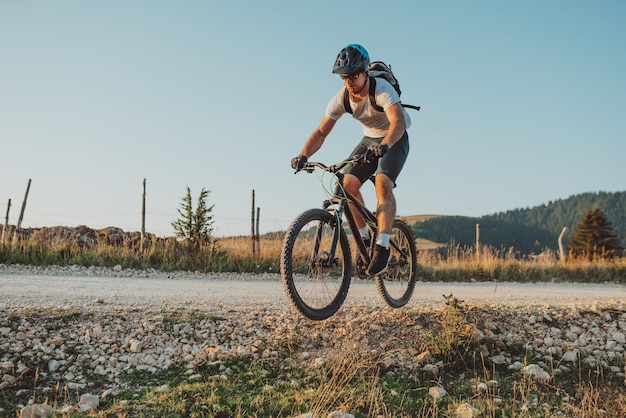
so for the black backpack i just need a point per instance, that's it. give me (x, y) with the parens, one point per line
(381, 70)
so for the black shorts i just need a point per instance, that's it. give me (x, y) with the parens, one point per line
(389, 164)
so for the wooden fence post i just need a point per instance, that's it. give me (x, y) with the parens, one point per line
(258, 239)
(5, 233)
(477, 240)
(19, 220)
(143, 213)
(563, 256)
(252, 228)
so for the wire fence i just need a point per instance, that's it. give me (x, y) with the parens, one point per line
(156, 223)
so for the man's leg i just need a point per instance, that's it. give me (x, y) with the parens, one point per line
(386, 213)
(353, 185)
(389, 167)
(386, 209)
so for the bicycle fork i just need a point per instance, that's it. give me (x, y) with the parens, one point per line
(321, 258)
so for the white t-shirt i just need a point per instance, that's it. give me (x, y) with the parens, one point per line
(375, 124)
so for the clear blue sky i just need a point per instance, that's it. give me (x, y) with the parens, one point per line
(522, 103)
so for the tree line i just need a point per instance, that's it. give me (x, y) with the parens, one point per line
(589, 218)
(530, 230)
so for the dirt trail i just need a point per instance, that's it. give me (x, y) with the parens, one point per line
(245, 290)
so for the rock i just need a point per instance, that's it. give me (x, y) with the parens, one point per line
(437, 392)
(88, 399)
(572, 356)
(432, 368)
(37, 411)
(537, 372)
(108, 393)
(339, 414)
(7, 378)
(498, 359)
(135, 346)
(53, 365)
(466, 410)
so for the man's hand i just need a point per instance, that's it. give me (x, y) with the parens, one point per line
(376, 151)
(298, 162)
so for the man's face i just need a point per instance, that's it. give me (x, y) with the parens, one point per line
(354, 82)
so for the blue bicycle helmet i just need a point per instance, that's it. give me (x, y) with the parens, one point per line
(352, 59)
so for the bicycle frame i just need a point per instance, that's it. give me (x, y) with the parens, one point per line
(341, 198)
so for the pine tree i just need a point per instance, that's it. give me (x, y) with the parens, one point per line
(594, 237)
(203, 220)
(184, 224)
(194, 226)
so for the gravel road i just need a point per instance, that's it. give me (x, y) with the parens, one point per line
(46, 287)
(125, 320)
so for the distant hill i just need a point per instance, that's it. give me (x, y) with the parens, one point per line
(527, 231)
(410, 220)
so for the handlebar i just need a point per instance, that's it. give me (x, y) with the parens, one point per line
(355, 160)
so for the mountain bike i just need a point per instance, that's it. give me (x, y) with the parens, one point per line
(316, 260)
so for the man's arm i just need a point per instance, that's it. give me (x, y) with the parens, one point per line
(317, 137)
(397, 124)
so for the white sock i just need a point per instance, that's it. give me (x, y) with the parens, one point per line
(365, 232)
(383, 240)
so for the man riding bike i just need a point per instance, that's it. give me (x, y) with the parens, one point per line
(385, 142)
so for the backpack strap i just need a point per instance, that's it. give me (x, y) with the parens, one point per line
(410, 106)
(346, 101)
(373, 97)
(372, 94)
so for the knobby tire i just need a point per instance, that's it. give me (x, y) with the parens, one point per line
(316, 285)
(396, 285)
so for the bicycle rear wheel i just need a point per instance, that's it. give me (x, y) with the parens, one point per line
(396, 285)
(315, 281)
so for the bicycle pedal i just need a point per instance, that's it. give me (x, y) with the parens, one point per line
(361, 268)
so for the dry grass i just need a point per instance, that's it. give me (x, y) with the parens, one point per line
(266, 247)
(237, 254)
(465, 263)
(487, 263)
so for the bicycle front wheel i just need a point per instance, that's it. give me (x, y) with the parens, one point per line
(396, 285)
(315, 264)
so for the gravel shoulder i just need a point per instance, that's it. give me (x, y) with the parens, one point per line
(93, 328)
